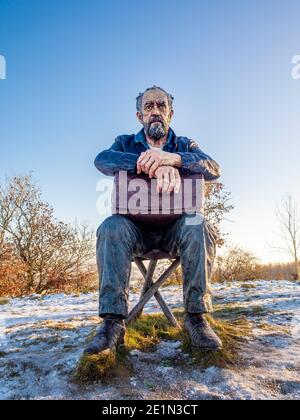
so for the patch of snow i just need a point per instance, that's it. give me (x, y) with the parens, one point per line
(168, 349)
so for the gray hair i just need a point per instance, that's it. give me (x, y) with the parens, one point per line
(139, 98)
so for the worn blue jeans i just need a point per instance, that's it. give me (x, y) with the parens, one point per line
(119, 239)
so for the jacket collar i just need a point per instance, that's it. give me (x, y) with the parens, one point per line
(170, 145)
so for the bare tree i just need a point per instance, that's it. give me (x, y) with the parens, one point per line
(288, 217)
(53, 252)
(217, 205)
(12, 273)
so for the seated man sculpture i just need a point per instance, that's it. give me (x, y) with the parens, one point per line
(158, 153)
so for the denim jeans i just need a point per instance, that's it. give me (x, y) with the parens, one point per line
(120, 238)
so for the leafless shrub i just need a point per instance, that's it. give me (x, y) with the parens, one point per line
(52, 253)
(236, 264)
(218, 204)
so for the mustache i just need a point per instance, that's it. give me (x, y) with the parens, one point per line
(157, 119)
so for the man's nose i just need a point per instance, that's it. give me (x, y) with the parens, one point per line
(155, 111)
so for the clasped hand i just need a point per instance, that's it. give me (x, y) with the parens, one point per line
(160, 166)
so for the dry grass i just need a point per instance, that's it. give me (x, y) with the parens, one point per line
(276, 329)
(248, 286)
(62, 325)
(145, 333)
(4, 301)
(234, 311)
(92, 368)
(172, 281)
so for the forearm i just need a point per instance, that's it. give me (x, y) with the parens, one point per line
(109, 162)
(177, 161)
(199, 163)
(171, 159)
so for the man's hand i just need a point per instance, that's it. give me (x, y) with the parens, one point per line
(168, 179)
(151, 160)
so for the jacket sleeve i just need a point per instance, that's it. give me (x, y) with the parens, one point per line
(115, 159)
(196, 162)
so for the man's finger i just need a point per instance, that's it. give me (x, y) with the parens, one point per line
(166, 182)
(153, 168)
(149, 164)
(138, 168)
(172, 181)
(178, 182)
(141, 157)
(159, 183)
(138, 163)
(144, 161)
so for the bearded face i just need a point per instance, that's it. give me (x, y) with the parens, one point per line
(156, 129)
(156, 114)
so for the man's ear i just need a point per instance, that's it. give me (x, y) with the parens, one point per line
(139, 117)
(171, 114)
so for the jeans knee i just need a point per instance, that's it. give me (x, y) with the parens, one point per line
(194, 226)
(113, 225)
(199, 235)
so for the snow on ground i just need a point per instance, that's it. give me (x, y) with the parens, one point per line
(42, 338)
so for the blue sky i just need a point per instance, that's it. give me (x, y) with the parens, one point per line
(74, 68)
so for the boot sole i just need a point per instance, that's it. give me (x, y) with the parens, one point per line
(205, 349)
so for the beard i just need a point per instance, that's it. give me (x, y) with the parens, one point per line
(156, 130)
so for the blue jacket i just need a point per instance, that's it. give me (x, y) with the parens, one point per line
(126, 149)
